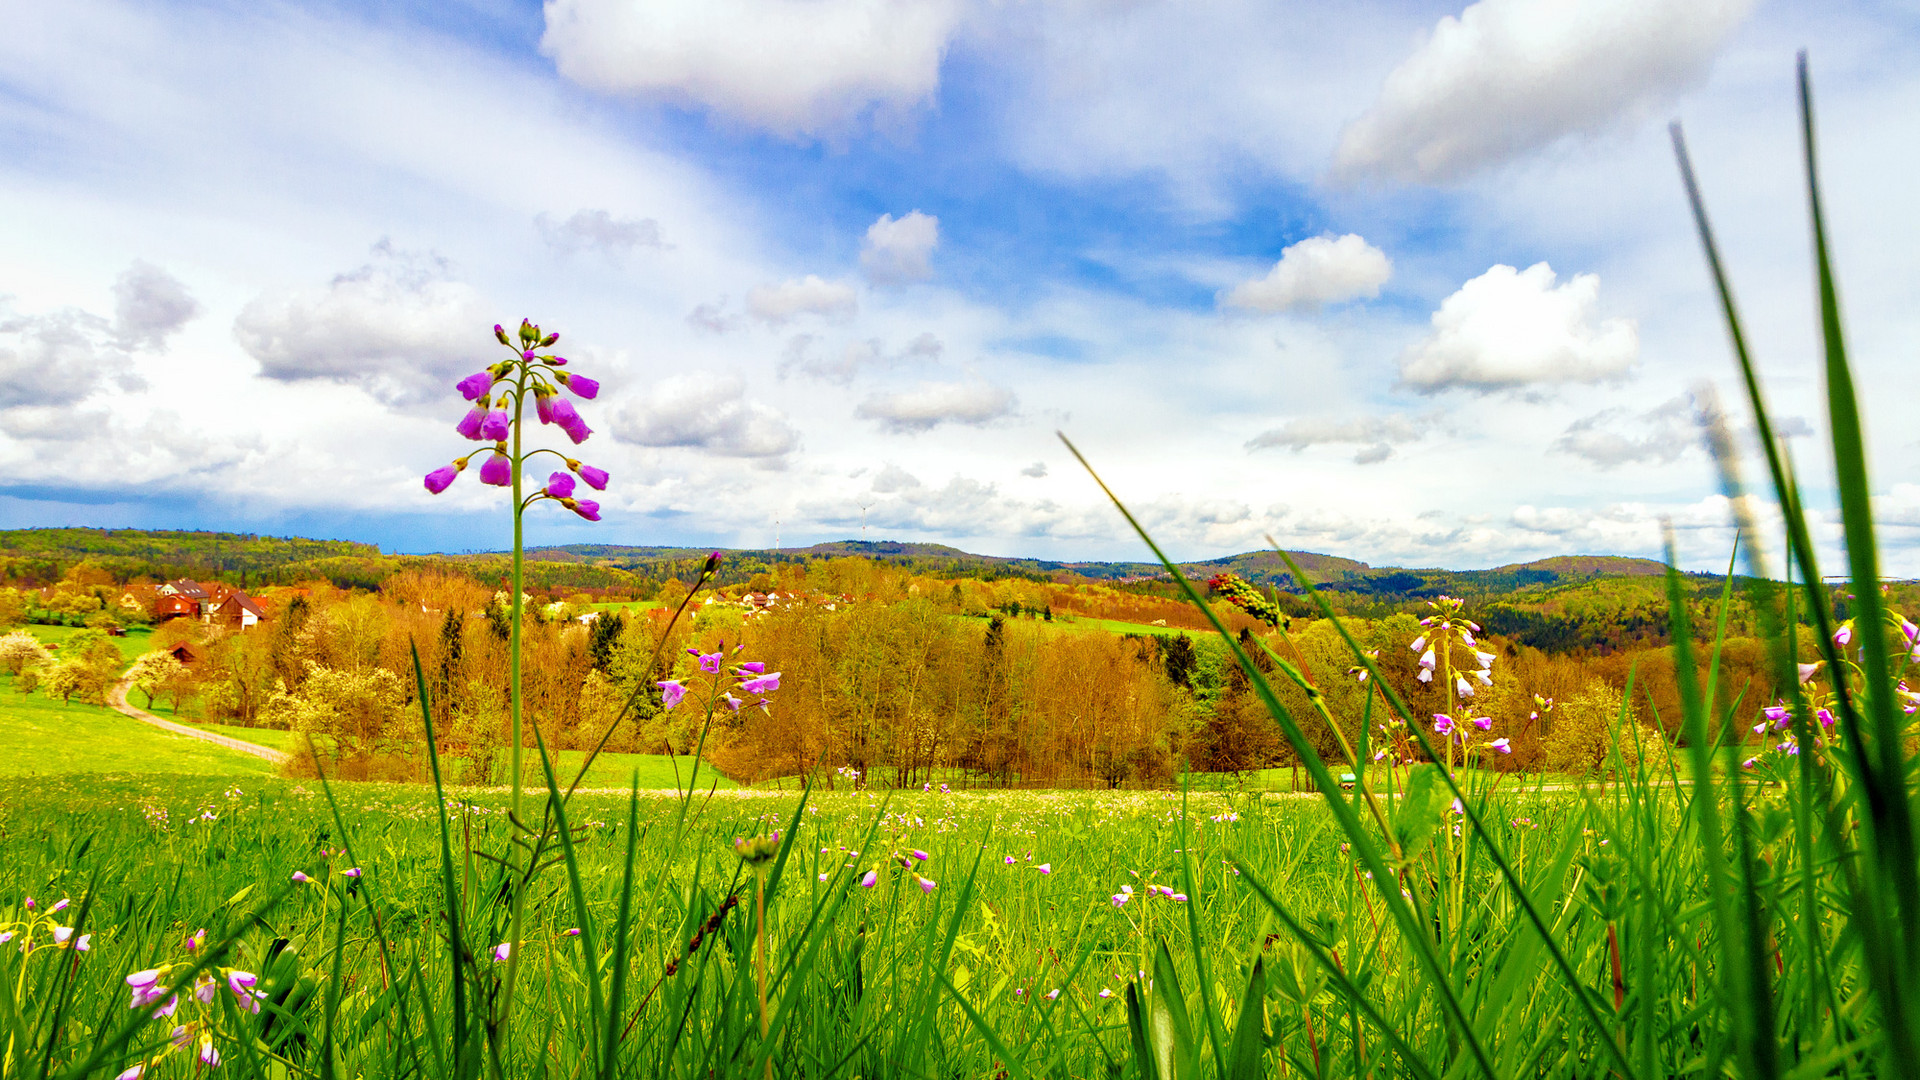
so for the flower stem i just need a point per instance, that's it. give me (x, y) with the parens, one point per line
(760, 959)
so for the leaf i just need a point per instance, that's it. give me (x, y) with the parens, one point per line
(1169, 1029)
(1421, 810)
(1249, 1033)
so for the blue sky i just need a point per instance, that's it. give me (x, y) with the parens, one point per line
(1408, 282)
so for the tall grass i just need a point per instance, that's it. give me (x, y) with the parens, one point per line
(1758, 922)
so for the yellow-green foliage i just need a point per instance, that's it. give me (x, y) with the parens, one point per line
(1581, 737)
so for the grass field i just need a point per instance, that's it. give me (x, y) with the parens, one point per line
(45, 737)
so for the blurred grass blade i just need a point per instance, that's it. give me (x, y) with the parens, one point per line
(1249, 1032)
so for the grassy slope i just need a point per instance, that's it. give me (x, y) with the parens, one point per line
(43, 737)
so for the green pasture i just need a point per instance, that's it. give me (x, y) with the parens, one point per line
(45, 737)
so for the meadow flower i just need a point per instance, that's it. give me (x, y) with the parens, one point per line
(1420, 643)
(1807, 670)
(869, 879)
(495, 427)
(926, 884)
(671, 692)
(442, 478)
(1462, 687)
(1825, 716)
(1844, 634)
(560, 485)
(29, 904)
(208, 1055)
(204, 988)
(351, 871)
(765, 684)
(61, 906)
(1045, 868)
(498, 470)
(1104, 992)
(1501, 744)
(586, 508)
(1120, 898)
(1442, 724)
(1427, 660)
(1177, 897)
(1486, 659)
(754, 666)
(1425, 675)
(1053, 995)
(502, 952)
(596, 478)
(1010, 860)
(133, 1072)
(1484, 723)
(469, 425)
(579, 384)
(710, 662)
(475, 386)
(301, 878)
(921, 855)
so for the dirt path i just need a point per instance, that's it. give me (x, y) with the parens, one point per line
(117, 697)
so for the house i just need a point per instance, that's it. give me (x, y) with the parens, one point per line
(236, 612)
(139, 597)
(185, 653)
(184, 589)
(168, 606)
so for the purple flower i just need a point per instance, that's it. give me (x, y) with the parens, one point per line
(527, 356)
(1426, 660)
(1178, 898)
(495, 427)
(208, 1055)
(565, 415)
(578, 431)
(1844, 635)
(732, 703)
(141, 980)
(1825, 716)
(204, 989)
(497, 471)
(926, 884)
(921, 855)
(1426, 675)
(1119, 899)
(1484, 723)
(543, 406)
(580, 384)
(469, 425)
(502, 951)
(595, 478)
(300, 877)
(868, 879)
(351, 871)
(500, 332)
(765, 684)
(1418, 644)
(1442, 723)
(754, 666)
(1009, 860)
(586, 508)
(1045, 868)
(475, 386)
(133, 1072)
(1807, 670)
(441, 478)
(710, 662)
(1462, 687)
(242, 983)
(560, 485)
(1501, 744)
(575, 932)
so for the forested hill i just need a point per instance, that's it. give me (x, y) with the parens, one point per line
(37, 556)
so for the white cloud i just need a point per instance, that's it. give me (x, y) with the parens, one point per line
(1509, 329)
(899, 251)
(1375, 435)
(713, 317)
(150, 305)
(59, 359)
(1510, 76)
(893, 479)
(1037, 470)
(1318, 270)
(400, 327)
(1614, 437)
(788, 66)
(810, 295)
(934, 403)
(853, 357)
(598, 230)
(708, 414)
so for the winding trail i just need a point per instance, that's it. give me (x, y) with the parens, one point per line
(117, 697)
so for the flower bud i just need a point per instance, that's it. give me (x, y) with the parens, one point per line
(543, 405)
(441, 478)
(529, 333)
(560, 485)
(495, 427)
(713, 563)
(595, 478)
(580, 384)
(547, 342)
(470, 424)
(586, 508)
(500, 332)
(476, 385)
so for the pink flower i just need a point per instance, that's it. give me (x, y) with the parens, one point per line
(1501, 744)
(1105, 993)
(208, 1055)
(671, 691)
(868, 879)
(1484, 723)
(764, 685)
(574, 932)
(926, 884)
(1178, 898)
(586, 508)
(921, 855)
(133, 1072)
(1462, 687)
(498, 470)
(543, 406)
(204, 989)
(1442, 723)
(710, 662)
(579, 384)
(352, 871)
(1045, 868)
(595, 478)
(442, 478)
(732, 703)
(242, 983)
(1807, 670)
(1844, 635)
(1120, 898)
(569, 420)
(1418, 644)
(1425, 675)
(469, 425)
(495, 426)
(502, 951)
(754, 666)
(301, 878)
(560, 485)
(1009, 860)
(475, 386)
(1825, 716)
(1427, 661)
(1053, 995)
(61, 906)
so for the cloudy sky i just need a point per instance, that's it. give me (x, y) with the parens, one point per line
(1406, 281)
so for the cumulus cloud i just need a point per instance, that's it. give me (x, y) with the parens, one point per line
(1509, 329)
(1036, 470)
(1318, 270)
(399, 327)
(792, 67)
(810, 295)
(931, 404)
(1375, 435)
(60, 359)
(1510, 76)
(149, 305)
(598, 230)
(712, 415)
(897, 252)
(1613, 437)
(853, 357)
(893, 479)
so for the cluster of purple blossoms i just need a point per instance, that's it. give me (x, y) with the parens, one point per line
(1463, 733)
(1445, 625)
(1126, 894)
(494, 414)
(750, 677)
(149, 990)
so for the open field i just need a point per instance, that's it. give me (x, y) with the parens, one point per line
(44, 737)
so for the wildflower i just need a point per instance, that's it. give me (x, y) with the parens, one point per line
(1501, 744)
(1427, 661)
(596, 478)
(710, 662)
(1466, 638)
(1484, 678)
(1750, 763)
(1807, 670)
(1120, 898)
(208, 1054)
(29, 903)
(142, 980)
(1053, 995)
(1442, 724)
(1045, 868)
(242, 983)
(1104, 992)
(497, 471)
(1420, 643)
(133, 1072)
(945, 790)
(579, 384)
(823, 877)
(1177, 897)
(926, 884)
(1486, 659)
(1425, 675)
(1484, 723)
(764, 685)
(1825, 716)
(586, 508)
(560, 485)
(1010, 860)
(351, 871)
(1462, 687)
(204, 989)
(469, 425)
(301, 878)
(573, 931)
(442, 478)
(475, 386)
(671, 691)
(61, 906)
(570, 421)
(502, 952)
(928, 786)
(921, 855)
(1844, 634)
(754, 666)
(869, 879)
(495, 427)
